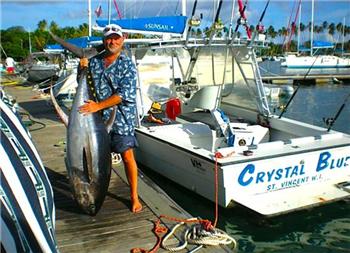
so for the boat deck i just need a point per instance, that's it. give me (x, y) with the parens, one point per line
(114, 228)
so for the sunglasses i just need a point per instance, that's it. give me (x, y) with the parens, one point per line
(107, 29)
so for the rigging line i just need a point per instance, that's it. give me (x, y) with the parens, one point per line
(296, 90)
(290, 17)
(177, 6)
(293, 25)
(333, 120)
(116, 7)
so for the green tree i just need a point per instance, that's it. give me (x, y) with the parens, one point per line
(42, 25)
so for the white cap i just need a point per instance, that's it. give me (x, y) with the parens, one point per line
(112, 29)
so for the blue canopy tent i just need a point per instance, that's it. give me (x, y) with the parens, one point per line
(317, 44)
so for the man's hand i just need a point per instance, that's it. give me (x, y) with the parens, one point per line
(89, 107)
(84, 62)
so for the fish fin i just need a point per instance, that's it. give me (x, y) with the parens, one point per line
(63, 116)
(77, 51)
(110, 121)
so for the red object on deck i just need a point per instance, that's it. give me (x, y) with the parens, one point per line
(10, 70)
(173, 108)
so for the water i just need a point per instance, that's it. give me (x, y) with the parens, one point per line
(320, 229)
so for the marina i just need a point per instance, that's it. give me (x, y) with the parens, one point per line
(242, 145)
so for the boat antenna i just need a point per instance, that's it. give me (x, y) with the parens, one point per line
(330, 121)
(284, 108)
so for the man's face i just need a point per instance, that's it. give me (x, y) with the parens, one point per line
(114, 43)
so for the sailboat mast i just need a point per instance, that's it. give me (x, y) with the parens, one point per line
(342, 44)
(30, 42)
(312, 28)
(298, 47)
(89, 17)
(109, 11)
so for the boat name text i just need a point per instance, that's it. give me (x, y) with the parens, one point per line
(157, 26)
(250, 175)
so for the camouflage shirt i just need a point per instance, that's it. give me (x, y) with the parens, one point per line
(118, 78)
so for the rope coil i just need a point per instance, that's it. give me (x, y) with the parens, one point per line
(199, 235)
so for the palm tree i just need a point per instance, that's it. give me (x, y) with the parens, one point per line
(325, 25)
(54, 27)
(339, 28)
(331, 29)
(42, 25)
(271, 32)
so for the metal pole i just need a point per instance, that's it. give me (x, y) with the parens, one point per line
(109, 11)
(342, 45)
(89, 17)
(183, 12)
(312, 28)
(231, 19)
(299, 28)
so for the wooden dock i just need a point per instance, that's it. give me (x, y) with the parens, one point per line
(114, 229)
(306, 79)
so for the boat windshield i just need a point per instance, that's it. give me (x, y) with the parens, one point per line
(162, 73)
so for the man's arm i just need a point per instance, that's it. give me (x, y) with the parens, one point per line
(91, 106)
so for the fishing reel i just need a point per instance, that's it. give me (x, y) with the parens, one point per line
(328, 121)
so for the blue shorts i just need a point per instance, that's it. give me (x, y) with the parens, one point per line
(121, 143)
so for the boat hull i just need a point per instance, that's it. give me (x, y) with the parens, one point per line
(27, 203)
(260, 182)
(320, 61)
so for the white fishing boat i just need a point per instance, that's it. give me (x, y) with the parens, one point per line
(269, 164)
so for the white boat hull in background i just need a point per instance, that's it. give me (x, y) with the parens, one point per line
(317, 61)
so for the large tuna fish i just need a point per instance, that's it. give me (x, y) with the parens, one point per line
(88, 158)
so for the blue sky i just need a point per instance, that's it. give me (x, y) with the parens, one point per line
(28, 13)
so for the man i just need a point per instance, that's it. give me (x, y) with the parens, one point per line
(114, 77)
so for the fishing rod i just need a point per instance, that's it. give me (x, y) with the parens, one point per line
(212, 33)
(191, 21)
(330, 121)
(260, 27)
(284, 108)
